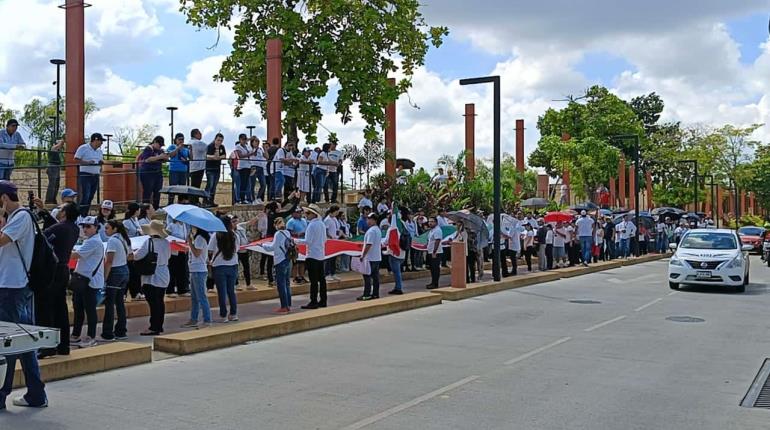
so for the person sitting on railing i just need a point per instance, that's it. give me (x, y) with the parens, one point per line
(10, 141)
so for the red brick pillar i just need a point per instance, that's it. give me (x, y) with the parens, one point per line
(542, 186)
(648, 187)
(519, 151)
(731, 207)
(752, 207)
(74, 103)
(632, 187)
(720, 203)
(743, 203)
(622, 182)
(390, 135)
(274, 92)
(470, 139)
(612, 193)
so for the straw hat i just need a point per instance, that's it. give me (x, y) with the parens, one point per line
(315, 209)
(155, 228)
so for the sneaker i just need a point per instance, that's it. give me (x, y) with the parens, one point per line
(310, 305)
(22, 402)
(233, 317)
(172, 295)
(106, 339)
(74, 340)
(86, 342)
(336, 278)
(363, 298)
(121, 337)
(139, 296)
(283, 311)
(258, 201)
(396, 292)
(190, 324)
(239, 288)
(251, 288)
(225, 320)
(185, 295)
(330, 278)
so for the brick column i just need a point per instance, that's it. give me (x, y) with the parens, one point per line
(470, 139)
(74, 102)
(612, 193)
(743, 203)
(390, 135)
(274, 91)
(542, 186)
(622, 182)
(519, 151)
(648, 187)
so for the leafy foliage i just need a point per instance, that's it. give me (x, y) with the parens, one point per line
(38, 119)
(366, 159)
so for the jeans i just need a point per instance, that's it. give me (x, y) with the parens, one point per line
(624, 250)
(236, 186)
(259, 177)
(610, 249)
(5, 171)
(198, 299)
(277, 184)
(661, 243)
(54, 180)
(586, 245)
(319, 178)
(152, 182)
(332, 181)
(315, 271)
(372, 281)
(395, 266)
(115, 294)
(224, 279)
(176, 178)
(212, 180)
(88, 183)
(16, 306)
(84, 304)
(246, 188)
(282, 282)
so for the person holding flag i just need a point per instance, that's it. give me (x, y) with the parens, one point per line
(397, 254)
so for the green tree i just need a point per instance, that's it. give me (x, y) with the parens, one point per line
(757, 174)
(38, 119)
(354, 42)
(5, 115)
(648, 109)
(131, 139)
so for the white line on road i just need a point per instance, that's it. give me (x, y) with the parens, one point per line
(537, 351)
(414, 402)
(615, 281)
(672, 293)
(645, 306)
(602, 324)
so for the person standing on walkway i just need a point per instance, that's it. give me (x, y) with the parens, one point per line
(243, 153)
(244, 255)
(320, 172)
(198, 242)
(89, 157)
(89, 258)
(333, 178)
(586, 227)
(116, 257)
(296, 226)
(223, 249)
(17, 243)
(215, 153)
(258, 168)
(179, 279)
(333, 232)
(150, 173)
(372, 253)
(179, 159)
(542, 231)
(528, 245)
(315, 240)
(625, 230)
(560, 238)
(154, 285)
(10, 141)
(435, 250)
(54, 171)
(282, 266)
(549, 237)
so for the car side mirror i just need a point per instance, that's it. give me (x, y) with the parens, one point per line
(747, 248)
(672, 246)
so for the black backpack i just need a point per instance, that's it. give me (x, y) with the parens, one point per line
(44, 259)
(147, 265)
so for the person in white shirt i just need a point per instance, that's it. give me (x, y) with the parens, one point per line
(383, 207)
(511, 236)
(155, 285)
(89, 157)
(89, 258)
(599, 240)
(244, 255)
(282, 264)
(625, 230)
(197, 159)
(332, 179)
(17, 239)
(529, 244)
(303, 174)
(116, 256)
(258, 168)
(560, 238)
(440, 178)
(289, 170)
(333, 231)
(549, 237)
(243, 152)
(586, 227)
(320, 172)
(434, 249)
(198, 242)
(315, 241)
(372, 253)
(223, 249)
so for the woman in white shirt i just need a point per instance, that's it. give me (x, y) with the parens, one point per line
(303, 174)
(320, 172)
(529, 244)
(244, 255)
(155, 285)
(223, 252)
(89, 264)
(281, 264)
(134, 229)
(258, 166)
(116, 257)
(198, 242)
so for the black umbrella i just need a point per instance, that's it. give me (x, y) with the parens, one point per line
(469, 219)
(535, 202)
(666, 209)
(585, 206)
(184, 190)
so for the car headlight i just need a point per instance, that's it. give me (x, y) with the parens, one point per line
(675, 262)
(737, 261)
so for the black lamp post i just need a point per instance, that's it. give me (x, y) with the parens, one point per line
(713, 208)
(108, 136)
(251, 129)
(635, 138)
(695, 182)
(58, 63)
(171, 124)
(495, 80)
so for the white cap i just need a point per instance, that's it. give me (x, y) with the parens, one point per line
(583, 212)
(89, 220)
(107, 204)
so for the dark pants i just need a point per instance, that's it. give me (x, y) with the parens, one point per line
(331, 266)
(245, 194)
(315, 271)
(528, 252)
(288, 186)
(259, 177)
(470, 266)
(505, 254)
(176, 178)
(549, 255)
(269, 268)
(372, 281)
(212, 180)
(155, 299)
(114, 303)
(179, 282)
(84, 305)
(196, 180)
(134, 280)
(152, 182)
(332, 181)
(54, 180)
(435, 269)
(16, 305)
(51, 308)
(244, 258)
(88, 184)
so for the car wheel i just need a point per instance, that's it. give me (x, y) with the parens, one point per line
(740, 288)
(746, 279)
(673, 285)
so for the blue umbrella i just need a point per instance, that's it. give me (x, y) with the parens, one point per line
(196, 217)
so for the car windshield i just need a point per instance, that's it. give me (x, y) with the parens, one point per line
(750, 231)
(707, 240)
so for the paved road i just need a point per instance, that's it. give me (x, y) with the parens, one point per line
(520, 359)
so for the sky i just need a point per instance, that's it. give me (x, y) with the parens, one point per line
(708, 59)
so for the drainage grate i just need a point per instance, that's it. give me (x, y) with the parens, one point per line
(758, 395)
(686, 319)
(586, 302)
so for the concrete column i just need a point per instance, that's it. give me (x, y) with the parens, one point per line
(470, 139)
(519, 150)
(622, 182)
(648, 187)
(274, 91)
(542, 186)
(390, 135)
(75, 100)
(612, 193)
(631, 187)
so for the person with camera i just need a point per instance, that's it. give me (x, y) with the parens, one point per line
(87, 279)
(54, 171)
(150, 172)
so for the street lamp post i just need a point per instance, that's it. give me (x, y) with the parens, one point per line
(58, 63)
(108, 136)
(171, 124)
(695, 182)
(635, 138)
(495, 80)
(713, 210)
(251, 129)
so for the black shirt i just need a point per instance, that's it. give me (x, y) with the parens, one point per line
(270, 155)
(609, 231)
(63, 237)
(541, 232)
(54, 157)
(211, 150)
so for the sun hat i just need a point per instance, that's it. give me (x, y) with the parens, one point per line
(155, 228)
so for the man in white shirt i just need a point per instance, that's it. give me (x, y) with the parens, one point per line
(315, 240)
(10, 141)
(560, 238)
(585, 233)
(372, 252)
(197, 159)
(89, 157)
(440, 177)
(510, 247)
(16, 298)
(332, 180)
(625, 230)
(332, 232)
(435, 251)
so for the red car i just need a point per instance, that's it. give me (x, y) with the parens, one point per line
(753, 236)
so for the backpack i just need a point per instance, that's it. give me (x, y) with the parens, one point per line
(291, 249)
(146, 266)
(43, 258)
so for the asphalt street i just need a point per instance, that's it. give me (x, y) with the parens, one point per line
(529, 358)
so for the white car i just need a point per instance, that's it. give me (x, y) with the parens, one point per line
(710, 257)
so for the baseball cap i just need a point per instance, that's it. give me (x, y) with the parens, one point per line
(11, 122)
(107, 204)
(373, 216)
(8, 187)
(97, 136)
(583, 212)
(179, 136)
(68, 192)
(89, 220)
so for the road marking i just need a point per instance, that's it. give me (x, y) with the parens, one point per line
(537, 351)
(602, 324)
(414, 402)
(645, 306)
(615, 281)
(672, 293)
